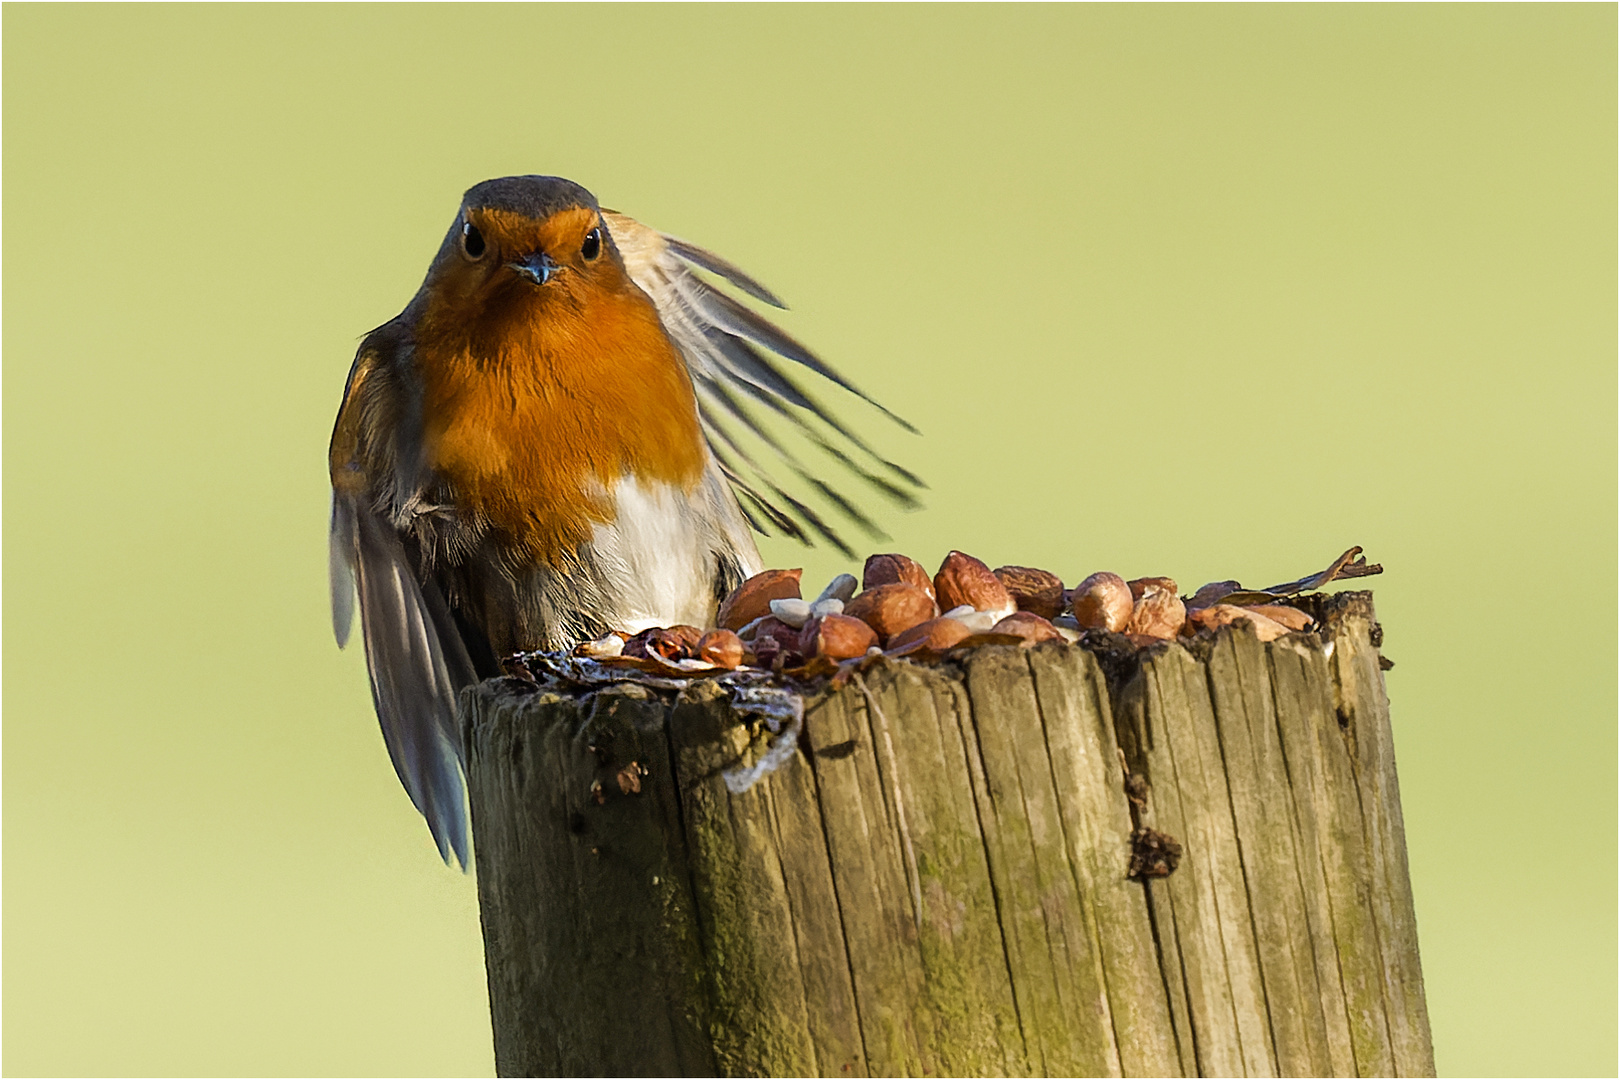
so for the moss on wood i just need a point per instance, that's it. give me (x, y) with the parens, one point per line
(937, 883)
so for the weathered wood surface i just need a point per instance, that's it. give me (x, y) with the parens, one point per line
(937, 883)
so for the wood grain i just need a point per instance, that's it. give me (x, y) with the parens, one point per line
(936, 884)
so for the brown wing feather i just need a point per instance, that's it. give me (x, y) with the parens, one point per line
(414, 654)
(726, 346)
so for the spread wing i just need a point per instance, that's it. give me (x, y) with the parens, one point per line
(414, 652)
(734, 356)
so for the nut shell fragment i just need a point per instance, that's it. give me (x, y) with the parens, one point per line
(1029, 626)
(752, 599)
(1291, 617)
(891, 609)
(1212, 592)
(962, 579)
(1102, 602)
(896, 570)
(667, 642)
(1219, 615)
(1039, 591)
(629, 779)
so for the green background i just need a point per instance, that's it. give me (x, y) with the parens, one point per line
(1208, 292)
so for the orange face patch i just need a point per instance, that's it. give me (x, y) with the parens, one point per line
(515, 235)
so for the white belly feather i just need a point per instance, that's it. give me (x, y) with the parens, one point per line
(659, 553)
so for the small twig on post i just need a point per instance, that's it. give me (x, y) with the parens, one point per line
(1341, 568)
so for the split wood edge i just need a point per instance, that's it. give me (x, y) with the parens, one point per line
(937, 884)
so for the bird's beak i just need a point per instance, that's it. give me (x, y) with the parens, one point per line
(538, 267)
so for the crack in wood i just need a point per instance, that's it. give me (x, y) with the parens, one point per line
(1065, 860)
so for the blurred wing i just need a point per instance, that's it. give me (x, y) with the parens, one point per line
(414, 653)
(417, 664)
(734, 356)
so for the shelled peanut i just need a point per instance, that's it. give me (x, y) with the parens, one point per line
(899, 609)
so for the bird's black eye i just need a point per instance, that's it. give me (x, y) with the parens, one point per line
(592, 247)
(472, 241)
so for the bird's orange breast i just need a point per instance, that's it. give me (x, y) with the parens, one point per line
(536, 412)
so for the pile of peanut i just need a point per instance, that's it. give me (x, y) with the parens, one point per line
(900, 611)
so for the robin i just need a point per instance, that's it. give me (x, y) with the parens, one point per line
(533, 453)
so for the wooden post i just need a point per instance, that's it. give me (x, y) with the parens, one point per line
(938, 882)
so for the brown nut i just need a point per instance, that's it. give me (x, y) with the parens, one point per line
(962, 579)
(771, 638)
(774, 627)
(1140, 585)
(1158, 612)
(752, 599)
(1219, 615)
(837, 637)
(722, 648)
(896, 570)
(1029, 626)
(1291, 617)
(1102, 602)
(890, 609)
(1040, 591)
(935, 634)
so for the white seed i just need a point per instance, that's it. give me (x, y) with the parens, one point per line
(840, 588)
(962, 611)
(792, 611)
(830, 605)
(979, 622)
